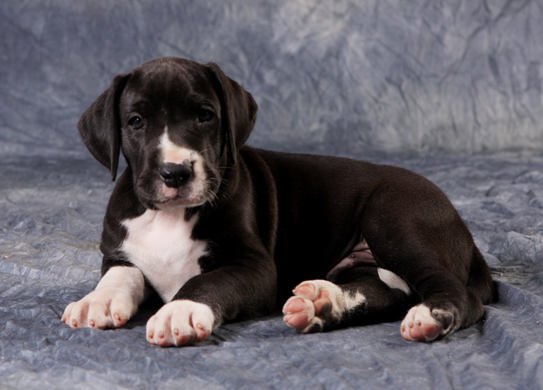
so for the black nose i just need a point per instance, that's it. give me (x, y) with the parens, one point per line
(176, 175)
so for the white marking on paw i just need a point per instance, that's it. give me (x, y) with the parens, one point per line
(111, 304)
(159, 243)
(341, 300)
(420, 325)
(393, 281)
(180, 323)
(314, 290)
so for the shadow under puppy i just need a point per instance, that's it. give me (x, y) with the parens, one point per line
(222, 231)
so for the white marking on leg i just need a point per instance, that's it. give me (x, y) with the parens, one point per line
(115, 299)
(393, 281)
(341, 300)
(127, 278)
(352, 300)
(159, 243)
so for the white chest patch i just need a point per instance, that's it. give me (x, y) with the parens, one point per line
(159, 243)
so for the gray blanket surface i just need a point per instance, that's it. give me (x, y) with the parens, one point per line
(423, 85)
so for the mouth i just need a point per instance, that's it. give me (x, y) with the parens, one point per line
(164, 197)
(156, 191)
(158, 200)
(178, 201)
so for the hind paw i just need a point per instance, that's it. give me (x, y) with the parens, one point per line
(316, 305)
(302, 311)
(421, 324)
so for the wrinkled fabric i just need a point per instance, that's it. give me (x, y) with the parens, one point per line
(50, 228)
(422, 85)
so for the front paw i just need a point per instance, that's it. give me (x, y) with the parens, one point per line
(180, 323)
(101, 309)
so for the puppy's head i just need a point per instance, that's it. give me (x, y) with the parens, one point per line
(179, 125)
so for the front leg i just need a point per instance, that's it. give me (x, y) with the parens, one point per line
(115, 299)
(208, 300)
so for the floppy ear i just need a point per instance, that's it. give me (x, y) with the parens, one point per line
(238, 111)
(99, 126)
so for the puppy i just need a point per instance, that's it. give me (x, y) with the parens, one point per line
(222, 231)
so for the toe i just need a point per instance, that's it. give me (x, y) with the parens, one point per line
(294, 305)
(181, 339)
(298, 321)
(201, 332)
(305, 290)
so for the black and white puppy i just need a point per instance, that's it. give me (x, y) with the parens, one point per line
(223, 231)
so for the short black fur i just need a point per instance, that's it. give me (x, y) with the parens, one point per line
(278, 219)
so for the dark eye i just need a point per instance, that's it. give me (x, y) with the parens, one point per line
(135, 122)
(205, 115)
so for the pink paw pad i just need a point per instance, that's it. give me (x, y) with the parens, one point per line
(422, 325)
(302, 311)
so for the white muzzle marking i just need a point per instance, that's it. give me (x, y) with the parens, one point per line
(171, 153)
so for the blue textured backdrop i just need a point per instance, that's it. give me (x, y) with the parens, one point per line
(330, 76)
(373, 79)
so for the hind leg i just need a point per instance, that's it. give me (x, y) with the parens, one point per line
(428, 322)
(361, 295)
(446, 305)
